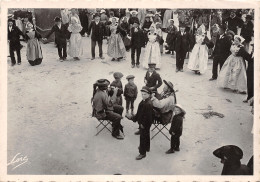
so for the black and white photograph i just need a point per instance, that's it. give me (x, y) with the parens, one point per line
(130, 91)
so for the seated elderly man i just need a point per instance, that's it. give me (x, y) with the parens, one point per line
(104, 106)
(164, 107)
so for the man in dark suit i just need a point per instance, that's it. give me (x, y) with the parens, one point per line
(249, 72)
(14, 41)
(60, 38)
(182, 46)
(98, 32)
(221, 52)
(137, 42)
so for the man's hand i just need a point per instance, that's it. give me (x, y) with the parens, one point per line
(153, 95)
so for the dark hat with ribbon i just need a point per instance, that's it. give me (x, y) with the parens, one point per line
(169, 84)
(146, 89)
(96, 14)
(118, 75)
(11, 20)
(102, 83)
(230, 152)
(57, 19)
(130, 77)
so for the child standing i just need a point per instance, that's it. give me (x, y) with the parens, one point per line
(60, 38)
(118, 84)
(144, 116)
(176, 129)
(130, 93)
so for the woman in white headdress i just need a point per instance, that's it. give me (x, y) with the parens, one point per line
(157, 18)
(116, 48)
(33, 51)
(75, 43)
(198, 61)
(152, 51)
(73, 13)
(233, 73)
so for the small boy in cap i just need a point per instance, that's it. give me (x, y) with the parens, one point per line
(118, 84)
(61, 32)
(152, 78)
(176, 128)
(130, 93)
(144, 117)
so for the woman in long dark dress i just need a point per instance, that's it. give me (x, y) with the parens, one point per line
(34, 51)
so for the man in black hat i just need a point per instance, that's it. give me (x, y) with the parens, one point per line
(247, 31)
(230, 156)
(60, 31)
(14, 41)
(233, 22)
(152, 78)
(137, 42)
(144, 117)
(98, 32)
(104, 108)
(182, 46)
(221, 51)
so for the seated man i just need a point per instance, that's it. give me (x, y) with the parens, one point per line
(164, 107)
(104, 106)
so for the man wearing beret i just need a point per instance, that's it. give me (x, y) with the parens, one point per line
(104, 106)
(144, 117)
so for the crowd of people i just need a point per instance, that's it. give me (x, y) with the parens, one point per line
(226, 40)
